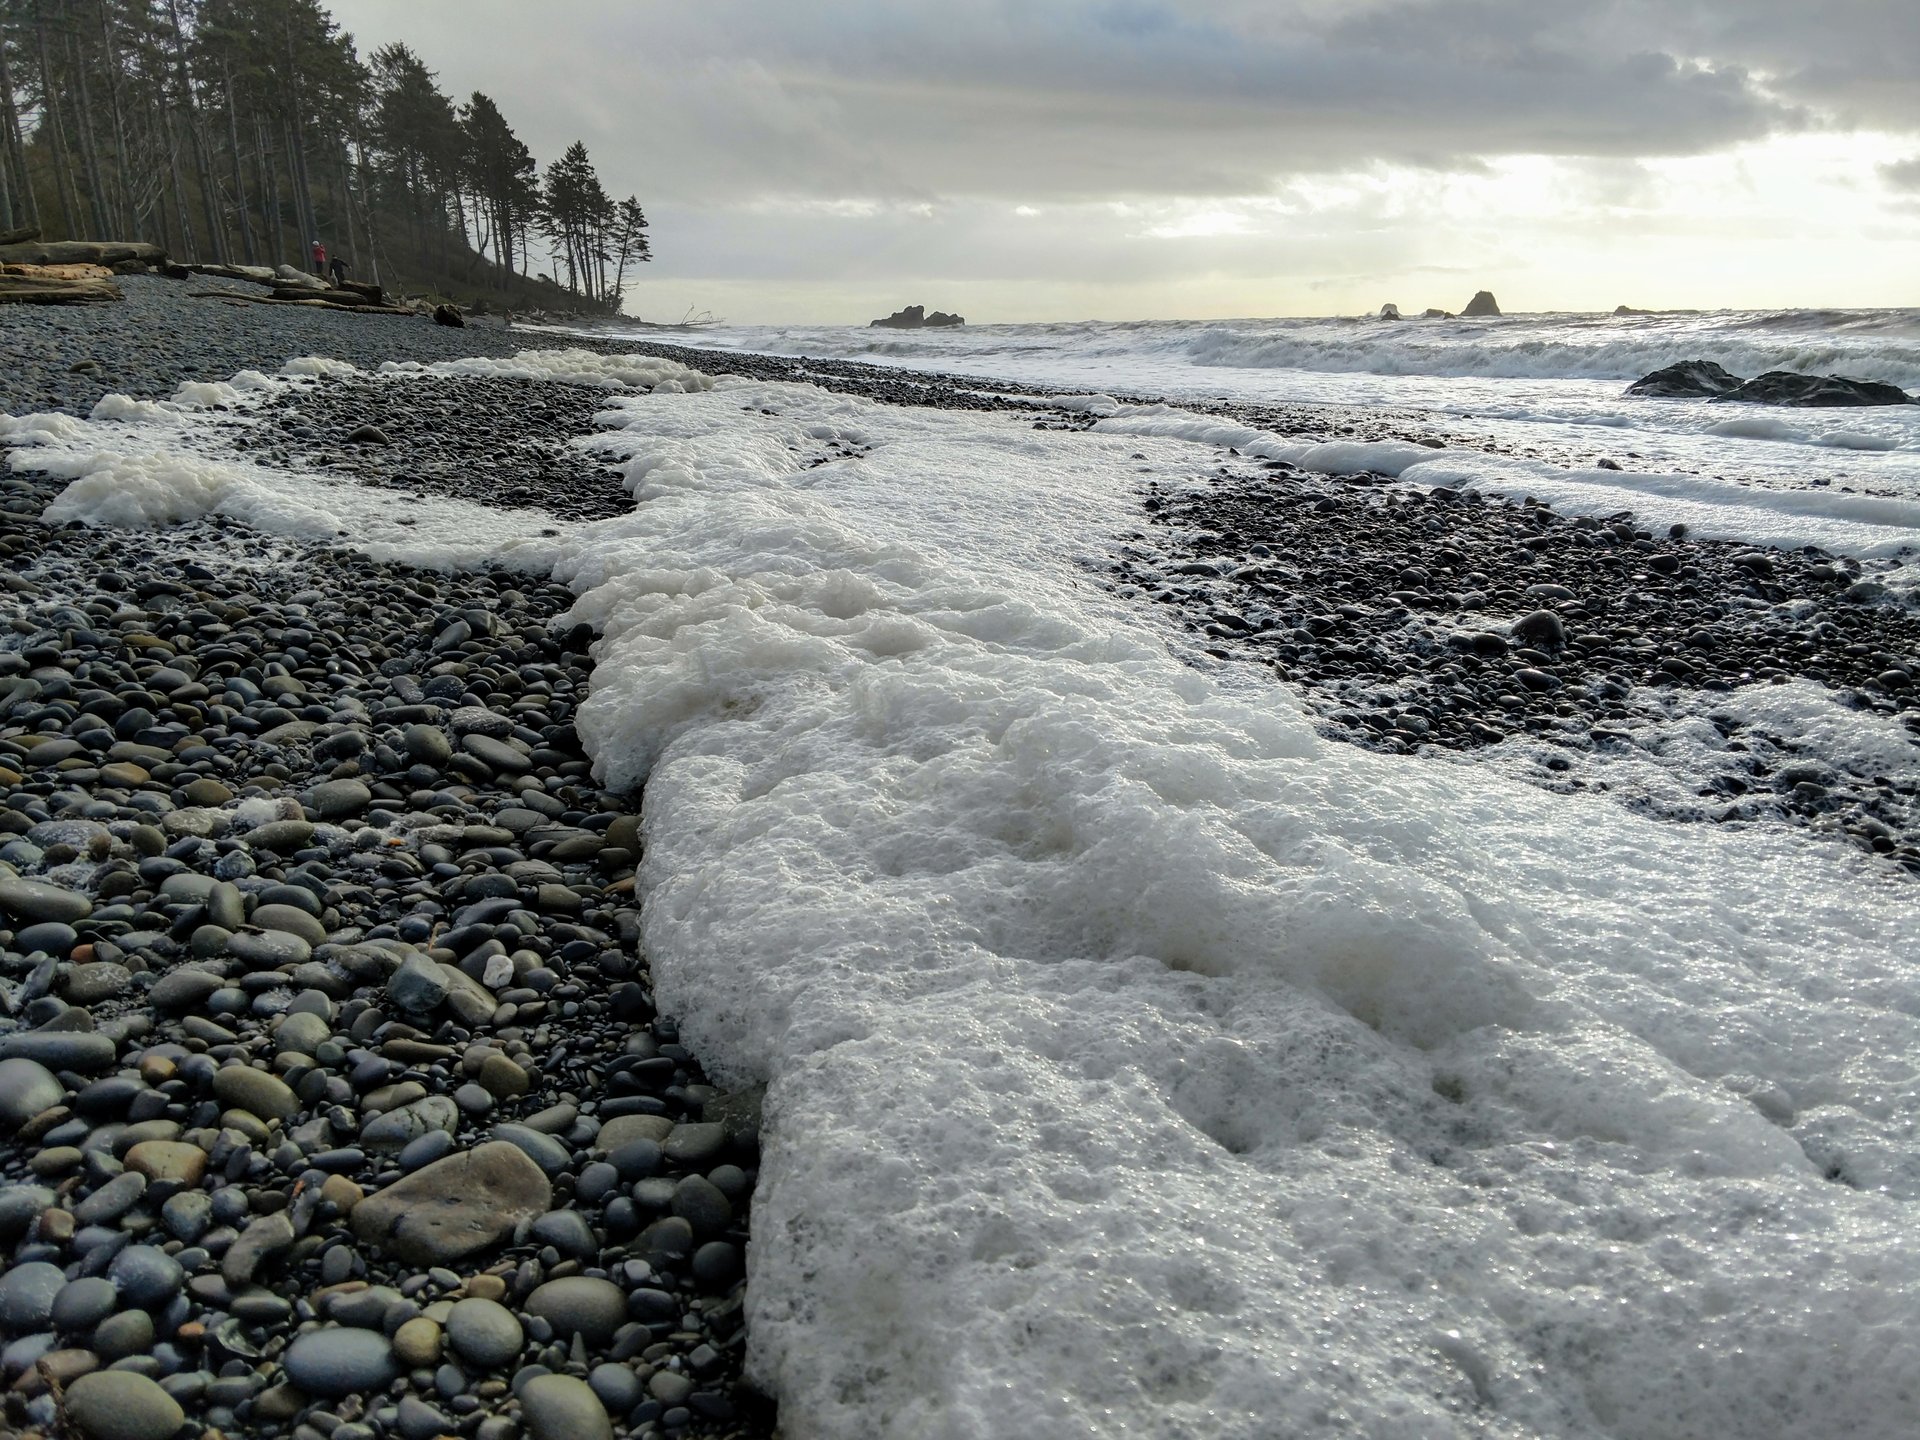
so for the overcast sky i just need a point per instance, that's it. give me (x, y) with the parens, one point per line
(831, 160)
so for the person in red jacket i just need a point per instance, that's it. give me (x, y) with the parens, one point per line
(319, 258)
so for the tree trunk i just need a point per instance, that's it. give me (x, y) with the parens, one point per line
(62, 177)
(89, 154)
(247, 247)
(123, 158)
(297, 148)
(270, 191)
(202, 169)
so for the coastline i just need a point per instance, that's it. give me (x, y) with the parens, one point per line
(1219, 603)
(337, 905)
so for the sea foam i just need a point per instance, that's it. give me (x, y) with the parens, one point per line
(1141, 1063)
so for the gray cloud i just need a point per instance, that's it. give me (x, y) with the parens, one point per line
(913, 99)
(844, 147)
(1903, 174)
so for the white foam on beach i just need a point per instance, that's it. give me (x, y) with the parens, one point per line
(570, 367)
(1142, 1064)
(1868, 527)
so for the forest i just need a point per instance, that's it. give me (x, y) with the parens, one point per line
(239, 131)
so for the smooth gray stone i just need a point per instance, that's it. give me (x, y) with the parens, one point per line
(269, 949)
(187, 1215)
(337, 799)
(27, 1294)
(301, 1033)
(417, 1420)
(146, 1275)
(130, 1332)
(497, 755)
(698, 1201)
(484, 1333)
(20, 1205)
(26, 1088)
(226, 907)
(291, 920)
(545, 1151)
(697, 1144)
(280, 835)
(36, 900)
(580, 1305)
(427, 744)
(185, 988)
(568, 1232)
(263, 1238)
(255, 1091)
(617, 1386)
(84, 1303)
(397, 1129)
(559, 1407)
(340, 1361)
(111, 1200)
(82, 1050)
(122, 1405)
(419, 985)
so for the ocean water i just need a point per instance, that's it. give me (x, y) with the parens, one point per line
(1141, 1063)
(1549, 385)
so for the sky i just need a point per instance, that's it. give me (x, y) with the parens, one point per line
(828, 161)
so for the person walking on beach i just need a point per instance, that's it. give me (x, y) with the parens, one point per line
(339, 269)
(319, 258)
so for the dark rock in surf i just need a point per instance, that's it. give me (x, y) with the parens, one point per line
(1688, 380)
(1482, 305)
(1389, 311)
(1783, 387)
(915, 317)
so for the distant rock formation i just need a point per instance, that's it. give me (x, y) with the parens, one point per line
(1705, 380)
(1629, 310)
(915, 317)
(1432, 314)
(1389, 311)
(1689, 380)
(1481, 306)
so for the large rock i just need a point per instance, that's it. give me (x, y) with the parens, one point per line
(915, 317)
(341, 1361)
(1688, 380)
(26, 1088)
(36, 900)
(121, 1405)
(455, 1206)
(1481, 305)
(559, 1407)
(1783, 387)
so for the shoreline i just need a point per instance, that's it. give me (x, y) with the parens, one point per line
(1303, 523)
(337, 906)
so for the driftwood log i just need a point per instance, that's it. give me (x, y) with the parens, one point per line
(81, 252)
(311, 302)
(20, 287)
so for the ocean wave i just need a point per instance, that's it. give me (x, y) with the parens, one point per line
(1557, 351)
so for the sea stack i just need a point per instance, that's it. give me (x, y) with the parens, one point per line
(1482, 304)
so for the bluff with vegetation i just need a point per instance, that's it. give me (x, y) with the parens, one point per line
(237, 131)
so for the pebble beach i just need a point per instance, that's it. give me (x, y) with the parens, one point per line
(335, 1101)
